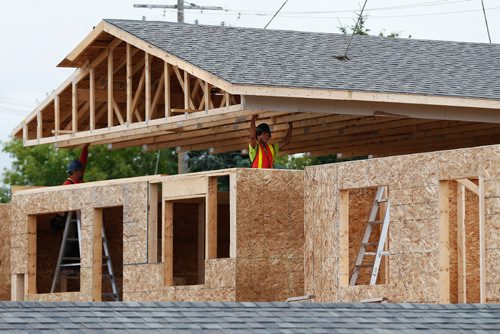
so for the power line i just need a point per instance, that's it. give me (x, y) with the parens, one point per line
(180, 8)
(272, 18)
(486, 21)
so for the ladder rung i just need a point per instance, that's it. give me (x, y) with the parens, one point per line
(375, 253)
(376, 222)
(70, 258)
(384, 200)
(369, 244)
(364, 265)
(70, 265)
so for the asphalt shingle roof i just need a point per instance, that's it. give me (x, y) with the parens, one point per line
(232, 317)
(251, 56)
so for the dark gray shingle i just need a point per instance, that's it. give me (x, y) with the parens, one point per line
(307, 60)
(206, 317)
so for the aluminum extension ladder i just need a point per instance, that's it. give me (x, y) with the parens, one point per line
(380, 197)
(66, 263)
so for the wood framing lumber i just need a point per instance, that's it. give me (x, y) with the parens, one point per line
(147, 70)
(17, 287)
(211, 219)
(74, 106)
(97, 238)
(110, 88)
(232, 215)
(166, 72)
(57, 114)
(129, 83)
(201, 243)
(469, 185)
(482, 242)
(461, 248)
(118, 113)
(39, 128)
(168, 241)
(92, 98)
(157, 95)
(444, 243)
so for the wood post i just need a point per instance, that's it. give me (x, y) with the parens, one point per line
(187, 90)
(482, 245)
(129, 83)
(211, 219)
(97, 256)
(110, 88)
(461, 248)
(39, 128)
(147, 69)
(17, 287)
(92, 98)
(444, 243)
(57, 115)
(166, 71)
(74, 106)
(168, 241)
(153, 223)
(232, 215)
(344, 239)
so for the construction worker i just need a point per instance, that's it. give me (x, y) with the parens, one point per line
(76, 168)
(260, 151)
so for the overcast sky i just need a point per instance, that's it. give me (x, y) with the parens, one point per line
(37, 35)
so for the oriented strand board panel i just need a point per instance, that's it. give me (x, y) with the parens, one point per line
(270, 235)
(5, 223)
(413, 181)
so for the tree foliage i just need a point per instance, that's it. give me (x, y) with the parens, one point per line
(45, 165)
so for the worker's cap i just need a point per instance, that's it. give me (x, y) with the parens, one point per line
(74, 166)
(262, 128)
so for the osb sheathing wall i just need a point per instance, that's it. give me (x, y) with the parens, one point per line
(130, 195)
(5, 251)
(267, 218)
(268, 262)
(413, 182)
(270, 235)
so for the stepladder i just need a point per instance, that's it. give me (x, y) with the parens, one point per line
(68, 265)
(372, 251)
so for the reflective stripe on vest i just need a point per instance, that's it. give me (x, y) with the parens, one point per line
(264, 158)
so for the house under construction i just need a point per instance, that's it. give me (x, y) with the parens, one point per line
(417, 222)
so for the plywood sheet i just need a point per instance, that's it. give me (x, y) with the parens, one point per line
(5, 223)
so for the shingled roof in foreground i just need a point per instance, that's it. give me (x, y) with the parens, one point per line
(296, 59)
(218, 317)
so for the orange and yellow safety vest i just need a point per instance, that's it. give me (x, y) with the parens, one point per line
(263, 156)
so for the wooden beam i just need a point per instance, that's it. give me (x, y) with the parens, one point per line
(469, 185)
(157, 95)
(461, 248)
(110, 88)
(97, 236)
(32, 255)
(57, 114)
(482, 243)
(17, 287)
(147, 68)
(168, 240)
(139, 91)
(211, 220)
(39, 128)
(74, 106)
(92, 98)
(344, 239)
(187, 91)
(153, 223)
(233, 215)
(166, 71)
(444, 242)
(118, 113)
(129, 84)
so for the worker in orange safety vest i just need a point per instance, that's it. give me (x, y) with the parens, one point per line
(260, 151)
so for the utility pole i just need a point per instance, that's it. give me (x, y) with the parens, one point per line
(180, 8)
(182, 160)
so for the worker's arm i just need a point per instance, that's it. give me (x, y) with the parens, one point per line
(288, 136)
(83, 157)
(253, 139)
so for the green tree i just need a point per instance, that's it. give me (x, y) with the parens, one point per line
(45, 165)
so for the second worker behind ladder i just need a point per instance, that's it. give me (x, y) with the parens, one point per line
(76, 168)
(260, 151)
